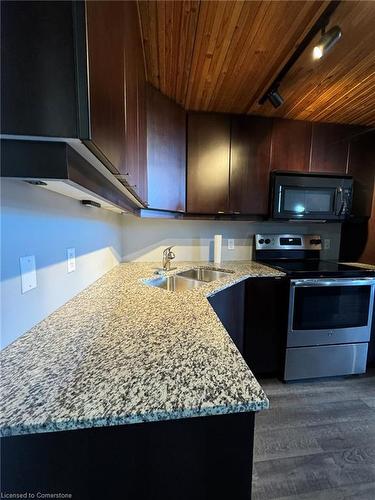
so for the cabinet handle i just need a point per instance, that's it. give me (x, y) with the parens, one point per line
(121, 176)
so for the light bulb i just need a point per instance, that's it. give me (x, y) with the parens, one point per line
(317, 52)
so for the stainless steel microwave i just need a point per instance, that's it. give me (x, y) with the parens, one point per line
(310, 197)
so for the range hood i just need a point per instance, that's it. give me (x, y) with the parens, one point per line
(60, 168)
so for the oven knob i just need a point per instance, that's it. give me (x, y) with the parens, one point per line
(261, 241)
(267, 241)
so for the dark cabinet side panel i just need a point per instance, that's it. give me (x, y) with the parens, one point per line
(208, 163)
(266, 305)
(166, 152)
(105, 28)
(291, 142)
(362, 167)
(38, 87)
(250, 164)
(229, 306)
(329, 147)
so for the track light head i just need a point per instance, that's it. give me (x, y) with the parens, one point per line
(275, 98)
(326, 42)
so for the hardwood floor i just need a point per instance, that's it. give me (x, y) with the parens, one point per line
(317, 441)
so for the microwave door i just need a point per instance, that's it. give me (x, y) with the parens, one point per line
(295, 202)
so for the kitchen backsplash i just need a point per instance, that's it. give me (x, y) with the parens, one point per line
(144, 239)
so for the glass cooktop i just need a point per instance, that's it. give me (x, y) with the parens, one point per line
(319, 268)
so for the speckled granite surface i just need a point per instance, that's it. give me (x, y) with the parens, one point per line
(360, 264)
(124, 352)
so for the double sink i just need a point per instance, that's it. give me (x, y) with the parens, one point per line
(187, 280)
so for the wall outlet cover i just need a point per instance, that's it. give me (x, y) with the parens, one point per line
(71, 256)
(327, 243)
(230, 244)
(28, 273)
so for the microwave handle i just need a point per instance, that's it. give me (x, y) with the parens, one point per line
(340, 203)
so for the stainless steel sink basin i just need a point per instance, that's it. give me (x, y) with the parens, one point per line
(204, 275)
(175, 283)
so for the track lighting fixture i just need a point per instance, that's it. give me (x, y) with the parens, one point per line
(327, 41)
(275, 98)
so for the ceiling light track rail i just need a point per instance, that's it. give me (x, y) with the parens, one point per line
(271, 93)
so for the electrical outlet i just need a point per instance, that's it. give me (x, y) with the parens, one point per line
(327, 244)
(28, 273)
(230, 244)
(71, 255)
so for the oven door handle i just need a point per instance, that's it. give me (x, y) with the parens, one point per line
(332, 282)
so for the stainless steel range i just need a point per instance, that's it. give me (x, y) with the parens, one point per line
(330, 307)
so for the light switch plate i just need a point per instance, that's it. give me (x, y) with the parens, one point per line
(71, 256)
(327, 244)
(28, 273)
(230, 244)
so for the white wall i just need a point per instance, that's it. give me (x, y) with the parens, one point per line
(144, 239)
(38, 222)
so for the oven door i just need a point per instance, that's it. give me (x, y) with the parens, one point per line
(330, 311)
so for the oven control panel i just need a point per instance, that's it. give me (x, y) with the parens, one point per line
(288, 242)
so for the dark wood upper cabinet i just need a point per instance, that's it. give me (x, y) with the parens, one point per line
(38, 71)
(250, 164)
(105, 45)
(329, 147)
(208, 154)
(75, 70)
(291, 142)
(166, 152)
(130, 139)
(361, 166)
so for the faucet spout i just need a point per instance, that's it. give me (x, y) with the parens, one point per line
(168, 255)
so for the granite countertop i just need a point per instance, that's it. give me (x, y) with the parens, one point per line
(123, 352)
(360, 264)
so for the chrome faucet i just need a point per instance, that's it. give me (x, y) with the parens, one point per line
(168, 255)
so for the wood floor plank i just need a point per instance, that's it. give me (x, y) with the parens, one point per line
(297, 441)
(300, 475)
(317, 442)
(306, 415)
(357, 492)
(370, 402)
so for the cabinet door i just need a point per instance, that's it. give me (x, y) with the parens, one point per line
(208, 163)
(142, 124)
(250, 164)
(38, 75)
(105, 29)
(131, 96)
(291, 141)
(329, 147)
(166, 152)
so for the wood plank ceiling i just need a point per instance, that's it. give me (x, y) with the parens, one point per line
(222, 56)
